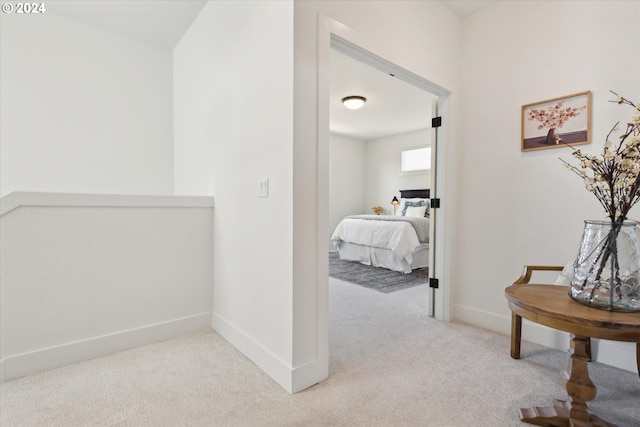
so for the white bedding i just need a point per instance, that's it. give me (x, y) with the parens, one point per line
(398, 237)
(384, 258)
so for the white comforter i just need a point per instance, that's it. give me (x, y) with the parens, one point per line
(398, 236)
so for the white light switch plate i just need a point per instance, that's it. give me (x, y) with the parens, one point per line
(263, 187)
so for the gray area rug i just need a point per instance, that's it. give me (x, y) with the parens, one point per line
(379, 279)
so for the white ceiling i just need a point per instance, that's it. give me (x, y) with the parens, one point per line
(464, 8)
(393, 106)
(159, 22)
(164, 22)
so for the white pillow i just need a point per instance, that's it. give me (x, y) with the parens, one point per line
(566, 276)
(417, 211)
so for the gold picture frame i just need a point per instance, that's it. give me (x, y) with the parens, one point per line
(557, 122)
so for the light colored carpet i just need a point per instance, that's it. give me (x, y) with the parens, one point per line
(391, 365)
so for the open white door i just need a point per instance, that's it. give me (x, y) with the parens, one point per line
(434, 281)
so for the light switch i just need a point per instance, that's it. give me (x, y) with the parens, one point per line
(263, 187)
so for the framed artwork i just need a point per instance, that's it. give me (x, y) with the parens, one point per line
(557, 122)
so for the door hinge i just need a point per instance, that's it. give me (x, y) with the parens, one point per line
(434, 283)
(436, 122)
(435, 203)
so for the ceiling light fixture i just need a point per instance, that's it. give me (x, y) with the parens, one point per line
(354, 102)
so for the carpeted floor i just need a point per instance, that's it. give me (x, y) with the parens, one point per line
(390, 365)
(379, 279)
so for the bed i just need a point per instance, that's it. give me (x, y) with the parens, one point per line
(397, 242)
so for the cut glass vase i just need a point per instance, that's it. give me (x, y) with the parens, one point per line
(607, 269)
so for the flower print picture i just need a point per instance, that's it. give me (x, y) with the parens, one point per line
(556, 122)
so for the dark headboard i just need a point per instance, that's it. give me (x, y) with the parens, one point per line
(411, 194)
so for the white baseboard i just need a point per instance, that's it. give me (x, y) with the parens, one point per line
(54, 357)
(291, 379)
(615, 353)
(618, 354)
(482, 319)
(272, 365)
(309, 374)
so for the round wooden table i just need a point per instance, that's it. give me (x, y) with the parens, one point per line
(551, 306)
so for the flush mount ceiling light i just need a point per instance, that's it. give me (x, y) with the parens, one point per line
(354, 102)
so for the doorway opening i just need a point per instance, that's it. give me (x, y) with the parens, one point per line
(366, 145)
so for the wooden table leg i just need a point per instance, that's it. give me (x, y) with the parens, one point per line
(579, 386)
(638, 356)
(516, 335)
(555, 415)
(572, 413)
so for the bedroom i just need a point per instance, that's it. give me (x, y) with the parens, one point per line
(365, 155)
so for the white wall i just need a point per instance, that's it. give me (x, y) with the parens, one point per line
(83, 109)
(524, 208)
(275, 311)
(347, 183)
(383, 176)
(85, 275)
(363, 174)
(233, 91)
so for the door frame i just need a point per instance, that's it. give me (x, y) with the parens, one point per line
(332, 35)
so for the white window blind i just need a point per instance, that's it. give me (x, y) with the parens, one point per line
(416, 159)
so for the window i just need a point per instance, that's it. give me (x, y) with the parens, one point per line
(416, 159)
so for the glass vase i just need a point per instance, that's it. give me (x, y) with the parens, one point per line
(607, 269)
